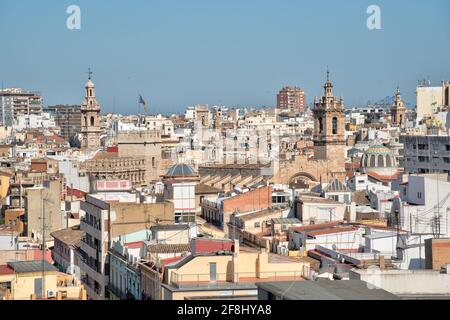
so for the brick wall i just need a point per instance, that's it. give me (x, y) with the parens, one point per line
(253, 200)
(437, 253)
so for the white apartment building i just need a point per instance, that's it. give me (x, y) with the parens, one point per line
(15, 102)
(424, 204)
(33, 121)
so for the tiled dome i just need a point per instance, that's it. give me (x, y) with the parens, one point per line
(378, 159)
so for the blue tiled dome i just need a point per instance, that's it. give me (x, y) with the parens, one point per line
(378, 159)
(181, 170)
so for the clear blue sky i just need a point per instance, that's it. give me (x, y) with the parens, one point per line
(234, 52)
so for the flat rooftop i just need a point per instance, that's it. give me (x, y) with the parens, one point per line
(325, 290)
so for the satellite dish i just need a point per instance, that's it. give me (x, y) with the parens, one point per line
(334, 246)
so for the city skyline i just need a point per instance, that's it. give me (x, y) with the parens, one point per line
(222, 53)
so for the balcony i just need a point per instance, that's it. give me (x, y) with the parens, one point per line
(90, 229)
(230, 280)
(115, 291)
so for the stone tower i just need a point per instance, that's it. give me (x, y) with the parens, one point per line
(329, 120)
(90, 121)
(398, 110)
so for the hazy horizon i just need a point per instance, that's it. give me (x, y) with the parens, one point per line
(234, 53)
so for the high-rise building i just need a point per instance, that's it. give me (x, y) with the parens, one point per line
(398, 110)
(68, 118)
(90, 120)
(329, 120)
(291, 99)
(15, 102)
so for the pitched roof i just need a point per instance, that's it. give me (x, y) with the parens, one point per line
(258, 214)
(360, 197)
(286, 221)
(382, 178)
(336, 186)
(321, 232)
(31, 266)
(69, 236)
(317, 226)
(202, 188)
(5, 269)
(169, 248)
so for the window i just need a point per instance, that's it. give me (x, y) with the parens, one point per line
(419, 195)
(388, 162)
(380, 161)
(334, 125)
(320, 125)
(92, 121)
(372, 161)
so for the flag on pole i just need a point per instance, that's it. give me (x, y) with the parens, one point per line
(143, 102)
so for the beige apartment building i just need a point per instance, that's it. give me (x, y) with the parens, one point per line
(109, 215)
(227, 274)
(29, 280)
(430, 99)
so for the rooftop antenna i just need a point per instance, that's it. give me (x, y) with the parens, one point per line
(328, 75)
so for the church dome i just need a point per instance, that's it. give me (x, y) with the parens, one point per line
(89, 84)
(181, 170)
(379, 159)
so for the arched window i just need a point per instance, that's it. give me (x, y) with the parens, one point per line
(372, 161)
(366, 161)
(92, 121)
(381, 161)
(334, 125)
(388, 161)
(85, 121)
(153, 162)
(320, 125)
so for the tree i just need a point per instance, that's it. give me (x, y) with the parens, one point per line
(74, 142)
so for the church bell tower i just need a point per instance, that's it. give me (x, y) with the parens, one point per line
(329, 121)
(90, 120)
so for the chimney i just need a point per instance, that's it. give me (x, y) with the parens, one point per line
(236, 246)
(83, 295)
(382, 263)
(267, 246)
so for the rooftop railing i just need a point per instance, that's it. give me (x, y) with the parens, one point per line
(239, 279)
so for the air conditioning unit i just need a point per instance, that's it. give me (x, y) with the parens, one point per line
(51, 294)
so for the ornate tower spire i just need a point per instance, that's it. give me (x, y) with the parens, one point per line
(90, 110)
(329, 121)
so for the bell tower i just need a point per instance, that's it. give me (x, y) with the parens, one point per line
(90, 121)
(398, 110)
(329, 121)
